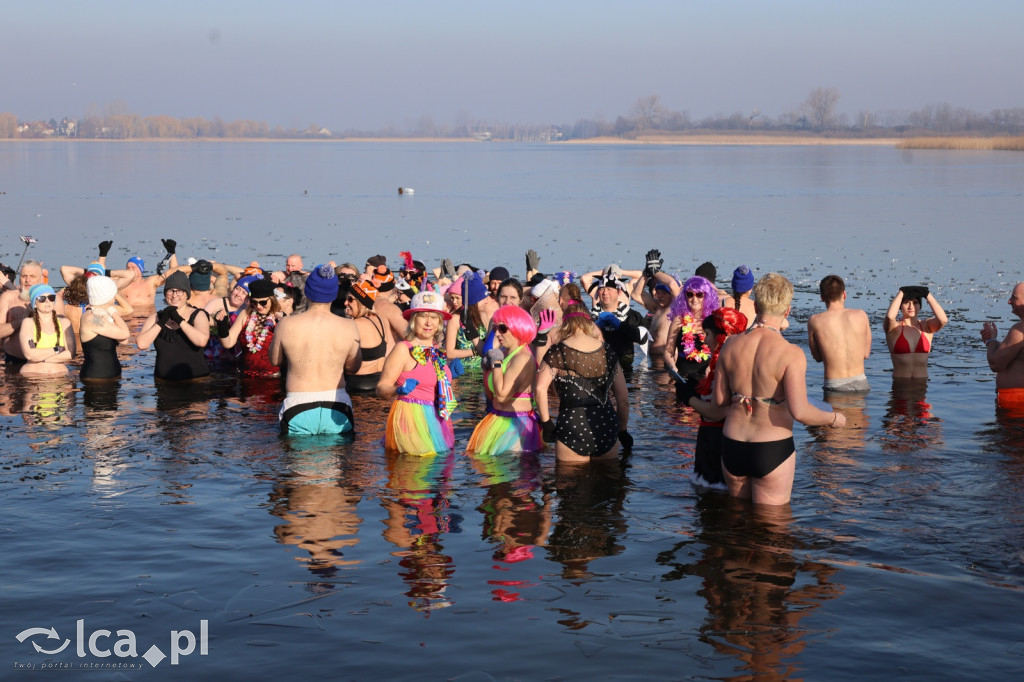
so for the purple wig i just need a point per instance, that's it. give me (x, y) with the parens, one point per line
(681, 307)
(519, 322)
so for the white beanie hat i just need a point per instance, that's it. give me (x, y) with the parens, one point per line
(101, 289)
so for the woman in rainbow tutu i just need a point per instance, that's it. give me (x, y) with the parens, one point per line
(416, 371)
(510, 424)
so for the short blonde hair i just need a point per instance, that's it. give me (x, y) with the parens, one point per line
(772, 294)
(410, 333)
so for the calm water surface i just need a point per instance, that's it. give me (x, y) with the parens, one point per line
(150, 509)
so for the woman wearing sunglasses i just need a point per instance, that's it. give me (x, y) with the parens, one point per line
(253, 330)
(688, 350)
(47, 340)
(375, 338)
(510, 424)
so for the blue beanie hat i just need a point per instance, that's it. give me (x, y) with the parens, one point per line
(473, 289)
(138, 262)
(742, 279)
(322, 285)
(244, 282)
(37, 291)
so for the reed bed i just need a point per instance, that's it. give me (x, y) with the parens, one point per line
(1010, 144)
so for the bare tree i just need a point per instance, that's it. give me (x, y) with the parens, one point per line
(820, 107)
(647, 112)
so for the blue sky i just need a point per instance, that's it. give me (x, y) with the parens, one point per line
(368, 65)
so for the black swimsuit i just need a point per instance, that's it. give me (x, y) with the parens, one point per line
(587, 421)
(177, 358)
(757, 459)
(100, 353)
(367, 383)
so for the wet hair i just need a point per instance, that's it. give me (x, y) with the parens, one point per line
(772, 294)
(519, 322)
(514, 283)
(76, 293)
(576, 319)
(831, 288)
(572, 291)
(680, 306)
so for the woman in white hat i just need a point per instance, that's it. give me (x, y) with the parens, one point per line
(102, 330)
(416, 373)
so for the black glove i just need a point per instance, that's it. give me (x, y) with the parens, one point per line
(223, 327)
(448, 268)
(687, 390)
(170, 245)
(164, 316)
(532, 260)
(547, 431)
(175, 315)
(472, 332)
(105, 248)
(162, 265)
(626, 440)
(654, 261)
(914, 291)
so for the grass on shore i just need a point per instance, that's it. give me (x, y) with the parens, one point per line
(1011, 144)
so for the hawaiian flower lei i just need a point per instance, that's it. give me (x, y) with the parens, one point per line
(255, 341)
(691, 351)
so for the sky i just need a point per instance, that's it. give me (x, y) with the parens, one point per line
(369, 65)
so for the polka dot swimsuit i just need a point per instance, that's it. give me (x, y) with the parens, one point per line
(587, 422)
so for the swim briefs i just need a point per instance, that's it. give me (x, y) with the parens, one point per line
(856, 384)
(309, 413)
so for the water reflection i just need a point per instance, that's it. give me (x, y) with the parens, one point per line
(419, 514)
(516, 512)
(317, 502)
(589, 520)
(757, 591)
(909, 424)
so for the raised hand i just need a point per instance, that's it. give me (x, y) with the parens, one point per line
(104, 248)
(170, 245)
(654, 261)
(532, 260)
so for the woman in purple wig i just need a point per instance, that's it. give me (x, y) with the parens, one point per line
(687, 349)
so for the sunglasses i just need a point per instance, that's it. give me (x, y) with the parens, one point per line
(349, 276)
(694, 294)
(46, 297)
(260, 301)
(501, 328)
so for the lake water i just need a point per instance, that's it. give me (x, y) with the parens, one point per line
(150, 509)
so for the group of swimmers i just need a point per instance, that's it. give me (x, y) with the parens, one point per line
(408, 334)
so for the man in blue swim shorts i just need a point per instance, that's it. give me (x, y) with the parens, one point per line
(316, 348)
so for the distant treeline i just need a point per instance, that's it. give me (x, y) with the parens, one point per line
(818, 114)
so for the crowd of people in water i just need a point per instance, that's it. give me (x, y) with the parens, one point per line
(406, 334)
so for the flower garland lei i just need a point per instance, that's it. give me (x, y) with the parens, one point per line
(254, 342)
(691, 350)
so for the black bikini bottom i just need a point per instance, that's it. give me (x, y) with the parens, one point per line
(755, 459)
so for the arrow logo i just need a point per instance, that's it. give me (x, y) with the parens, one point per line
(50, 634)
(25, 634)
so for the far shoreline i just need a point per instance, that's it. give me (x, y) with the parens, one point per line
(660, 140)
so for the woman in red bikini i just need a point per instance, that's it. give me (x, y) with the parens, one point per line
(909, 337)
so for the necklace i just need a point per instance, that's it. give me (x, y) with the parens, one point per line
(694, 348)
(254, 341)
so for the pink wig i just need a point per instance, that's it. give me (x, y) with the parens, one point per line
(519, 322)
(681, 307)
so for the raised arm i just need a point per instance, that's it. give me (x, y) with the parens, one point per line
(936, 323)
